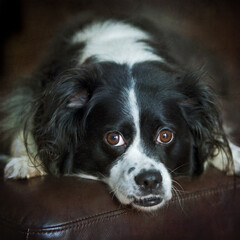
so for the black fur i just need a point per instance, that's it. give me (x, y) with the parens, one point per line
(72, 107)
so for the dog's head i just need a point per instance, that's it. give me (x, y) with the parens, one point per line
(131, 128)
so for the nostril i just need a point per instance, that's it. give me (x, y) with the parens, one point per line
(149, 180)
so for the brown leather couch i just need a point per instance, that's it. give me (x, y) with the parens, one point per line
(73, 208)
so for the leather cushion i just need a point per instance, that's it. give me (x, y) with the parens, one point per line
(72, 208)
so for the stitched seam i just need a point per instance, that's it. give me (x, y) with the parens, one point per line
(92, 216)
(204, 193)
(201, 194)
(183, 198)
(9, 222)
(80, 225)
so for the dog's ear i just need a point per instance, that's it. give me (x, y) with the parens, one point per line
(73, 88)
(79, 99)
(200, 109)
(58, 114)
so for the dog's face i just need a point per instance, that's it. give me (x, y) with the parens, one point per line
(134, 128)
(135, 135)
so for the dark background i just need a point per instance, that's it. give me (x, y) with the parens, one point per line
(28, 25)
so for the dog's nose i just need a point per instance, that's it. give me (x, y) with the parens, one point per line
(149, 180)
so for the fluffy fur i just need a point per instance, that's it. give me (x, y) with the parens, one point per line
(110, 103)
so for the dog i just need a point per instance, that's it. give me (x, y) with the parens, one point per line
(110, 103)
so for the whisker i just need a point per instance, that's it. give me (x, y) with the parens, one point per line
(175, 181)
(101, 175)
(177, 194)
(183, 165)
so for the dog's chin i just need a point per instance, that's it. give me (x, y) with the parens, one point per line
(147, 203)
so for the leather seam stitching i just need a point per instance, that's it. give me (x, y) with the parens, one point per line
(79, 225)
(124, 211)
(199, 194)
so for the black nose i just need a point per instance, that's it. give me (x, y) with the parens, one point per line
(149, 180)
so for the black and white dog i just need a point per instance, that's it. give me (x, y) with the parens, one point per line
(110, 103)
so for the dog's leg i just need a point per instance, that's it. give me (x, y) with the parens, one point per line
(221, 163)
(20, 164)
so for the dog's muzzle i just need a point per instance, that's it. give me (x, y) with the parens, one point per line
(150, 185)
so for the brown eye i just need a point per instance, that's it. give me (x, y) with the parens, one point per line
(165, 136)
(115, 139)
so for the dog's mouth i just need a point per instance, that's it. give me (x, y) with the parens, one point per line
(147, 201)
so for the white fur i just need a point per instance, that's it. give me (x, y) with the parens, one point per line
(236, 158)
(20, 165)
(123, 183)
(86, 176)
(134, 111)
(115, 41)
(220, 161)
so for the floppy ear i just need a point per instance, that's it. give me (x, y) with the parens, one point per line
(58, 115)
(79, 99)
(200, 110)
(74, 88)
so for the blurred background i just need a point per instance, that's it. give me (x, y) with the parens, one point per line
(210, 27)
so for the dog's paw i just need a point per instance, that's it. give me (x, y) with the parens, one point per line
(20, 168)
(236, 158)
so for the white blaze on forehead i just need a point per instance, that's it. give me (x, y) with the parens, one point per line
(115, 41)
(134, 111)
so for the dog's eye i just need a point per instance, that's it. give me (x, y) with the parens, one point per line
(115, 139)
(165, 136)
